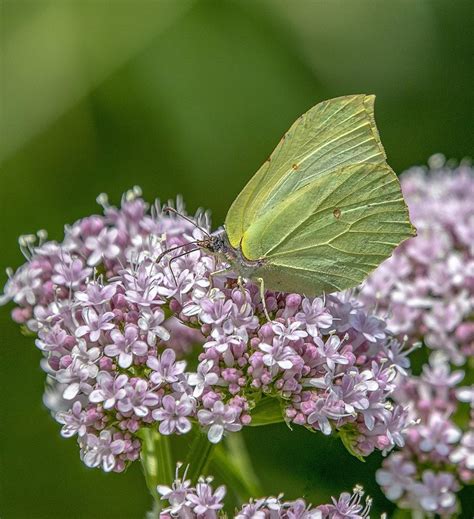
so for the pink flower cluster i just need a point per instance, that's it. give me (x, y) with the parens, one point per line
(426, 289)
(182, 500)
(438, 457)
(118, 322)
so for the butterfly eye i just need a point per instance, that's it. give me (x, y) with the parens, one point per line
(204, 244)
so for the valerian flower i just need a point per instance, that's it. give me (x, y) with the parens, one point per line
(110, 389)
(102, 450)
(102, 246)
(201, 501)
(70, 272)
(125, 345)
(138, 399)
(120, 312)
(166, 370)
(219, 419)
(203, 378)
(396, 477)
(425, 291)
(176, 494)
(94, 324)
(206, 501)
(432, 439)
(174, 413)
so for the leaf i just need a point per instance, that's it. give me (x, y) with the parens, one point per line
(26, 331)
(267, 411)
(348, 434)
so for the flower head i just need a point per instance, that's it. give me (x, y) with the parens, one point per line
(136, 334)
(125, 345)
(174, 413)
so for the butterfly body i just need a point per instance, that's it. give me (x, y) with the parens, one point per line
(218, 244)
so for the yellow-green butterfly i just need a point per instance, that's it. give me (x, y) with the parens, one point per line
(323, 211)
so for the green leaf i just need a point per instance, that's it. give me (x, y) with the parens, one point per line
(267, 411)
(400, 513)
(348, 434)
(26, 331)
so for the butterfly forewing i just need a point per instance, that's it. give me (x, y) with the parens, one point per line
(331, 135)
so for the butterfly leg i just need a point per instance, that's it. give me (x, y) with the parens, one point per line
(261, 282)
(219, 272)
(241, 285)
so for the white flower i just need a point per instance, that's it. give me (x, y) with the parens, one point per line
(150, 322)
(277, 355)
(221, 418)
(102, 246)
(203, 378)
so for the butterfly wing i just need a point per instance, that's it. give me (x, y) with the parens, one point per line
(328, 235)
(331, 135)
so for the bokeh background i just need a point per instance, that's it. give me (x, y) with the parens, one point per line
(190, 97)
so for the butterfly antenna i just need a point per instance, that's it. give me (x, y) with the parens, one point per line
(176, 258)
(171, 249)
(173, 210)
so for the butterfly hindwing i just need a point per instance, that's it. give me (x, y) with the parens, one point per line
(329, 234)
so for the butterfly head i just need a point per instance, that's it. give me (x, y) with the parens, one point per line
(215, 243)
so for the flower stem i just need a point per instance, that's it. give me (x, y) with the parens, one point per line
(235, 468)
(156, 460)
(199, 455)
(240, 456)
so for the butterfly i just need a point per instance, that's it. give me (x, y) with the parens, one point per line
(322, 212)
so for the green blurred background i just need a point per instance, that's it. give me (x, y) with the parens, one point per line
(190, 97)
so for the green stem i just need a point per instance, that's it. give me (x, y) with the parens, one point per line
(233, 466)
(198, 456)
(156, 460)
(239, 456)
